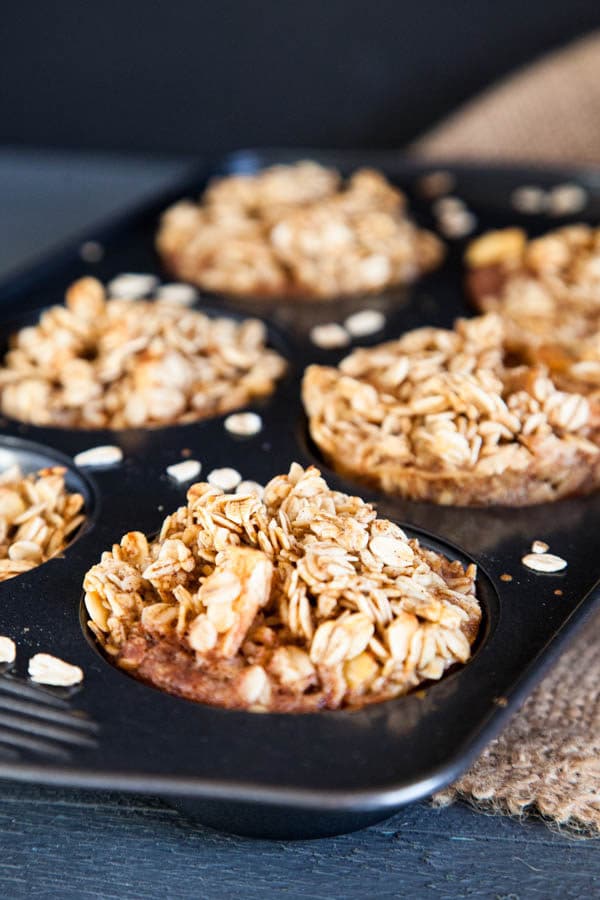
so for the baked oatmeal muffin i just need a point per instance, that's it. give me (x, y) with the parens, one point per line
(297, 601)
(449, 416)
(114, 363)
(297, 230)
(548, 292)
(38, 518)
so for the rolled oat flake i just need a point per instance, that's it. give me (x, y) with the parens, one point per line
(243, 424)
(544, 562)
(47, 669)
(186, 470)
(329, 336)
(367, 321)
(8, 650)
(103, 455)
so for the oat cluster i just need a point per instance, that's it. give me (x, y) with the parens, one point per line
(448, 416)
(298, 601)
(548, 292)
(115, 363)
(297, 230)
(38, 517)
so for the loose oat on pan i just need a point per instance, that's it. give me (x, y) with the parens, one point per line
(548, 292)
(301, 601)
(297, 230)
(451, 417)
(116, 363)
(38, 518)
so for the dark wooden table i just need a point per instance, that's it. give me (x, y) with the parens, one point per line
(72, 844)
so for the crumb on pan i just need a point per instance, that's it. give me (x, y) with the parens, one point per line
(297, 230)
(298, 601)
(443, 415)
(115, 363)
(38, 518)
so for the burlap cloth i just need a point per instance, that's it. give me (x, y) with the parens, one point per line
(548, 758)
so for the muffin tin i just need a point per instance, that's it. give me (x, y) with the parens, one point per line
(278, 775)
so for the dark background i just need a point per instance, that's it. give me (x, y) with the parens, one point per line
(189, 76)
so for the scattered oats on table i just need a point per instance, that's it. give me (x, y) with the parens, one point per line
(115, 363)
(297, 231)
(299, 601)
(38, 518)
(449, 416)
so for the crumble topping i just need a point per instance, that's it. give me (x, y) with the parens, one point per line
(443, 415)
(130, 363)
(297, 230)
(300, 600)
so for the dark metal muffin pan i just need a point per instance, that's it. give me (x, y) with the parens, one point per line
(278, 775)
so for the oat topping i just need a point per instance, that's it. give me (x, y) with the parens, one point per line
(544, 562)
(548, 293)
(184, 471)
(38, 518)
(243, 424)
(299, 601)
(297, 230)
(226, 479)
(8, 650)
(103, 455)
(46, 669)
(250, 487)
(329, 336)
(102, 363)
(445, 416)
